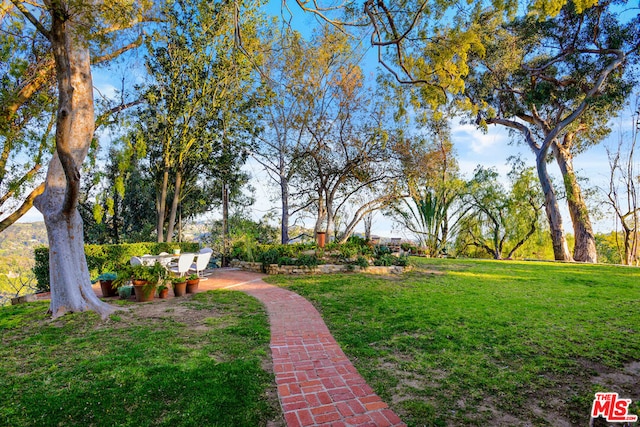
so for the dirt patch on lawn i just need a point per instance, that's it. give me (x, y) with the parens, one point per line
(564, 400)
(183, 310)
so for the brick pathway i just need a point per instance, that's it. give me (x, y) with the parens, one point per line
(317, 384)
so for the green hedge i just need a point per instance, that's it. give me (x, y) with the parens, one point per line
(106, 258)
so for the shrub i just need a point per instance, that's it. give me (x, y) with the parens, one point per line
(308, 260)
(41, 268)
(384, 260)
(402, 261)
(285, 260)
(381, 251)
(362, 262)
(270, 256)
(348, 251)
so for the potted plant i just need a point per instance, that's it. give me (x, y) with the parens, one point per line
(192, 283)
(163, 291)
(144, 278)
(179, 286)
(106, 284)
(120, 283)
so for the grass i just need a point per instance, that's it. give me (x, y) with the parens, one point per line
(460, 342)
(197, 362)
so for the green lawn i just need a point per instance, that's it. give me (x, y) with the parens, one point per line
(181, 362)
(487, 343)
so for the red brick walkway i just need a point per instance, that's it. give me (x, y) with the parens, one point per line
(317, 384)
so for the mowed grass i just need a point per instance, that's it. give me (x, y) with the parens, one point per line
(488, 343)
(201, 361)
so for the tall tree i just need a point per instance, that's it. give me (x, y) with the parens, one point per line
(500, 221)
(28, 95)
(282, 142)
(555, 85)
(199, 101)
(622, 192)
(68, 28)
(347, 152)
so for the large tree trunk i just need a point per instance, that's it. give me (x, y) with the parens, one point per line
(174, 206)
(69, 276)
(161, 204)
(560, 247)
(585, 246)
(284, 224)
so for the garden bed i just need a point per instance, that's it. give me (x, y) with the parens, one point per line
(258, 267)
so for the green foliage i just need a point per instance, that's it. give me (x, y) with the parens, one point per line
(152, 274)
(362, 262)
(499, 220)
(285, 260)
(308, 260)
(41, 268)
(270, 256)
(480, 329)
(244, 237)
(384, 260)
(610, 247)
(107, 276)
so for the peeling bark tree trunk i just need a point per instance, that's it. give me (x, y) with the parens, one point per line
(560, 247)
(69, 276)
(284, 196)
(585, 244)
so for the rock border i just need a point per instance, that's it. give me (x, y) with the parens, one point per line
(273, 269)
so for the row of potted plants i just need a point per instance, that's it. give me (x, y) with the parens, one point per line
(145, 280)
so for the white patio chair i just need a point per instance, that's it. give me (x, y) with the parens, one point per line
(205, 250)
(201, 263)
(135, 260)
(184, 262)
(164, 259)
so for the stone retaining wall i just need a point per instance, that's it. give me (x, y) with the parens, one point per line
(321, 269)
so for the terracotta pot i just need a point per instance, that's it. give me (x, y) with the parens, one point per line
(164, 294)
(138, 282)
(107, 288)
(179, 289)
(192, 285)
(144, 293)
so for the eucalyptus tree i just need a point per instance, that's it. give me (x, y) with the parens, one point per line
(500, 221)
(199, 101)
(281, 144)
(28, 100)
(73, 31)
(556, 83)
(322, 134)
(346, 152)
(429, 44)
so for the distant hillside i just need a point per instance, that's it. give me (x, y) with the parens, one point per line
(16, 255)
(21, 238)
